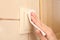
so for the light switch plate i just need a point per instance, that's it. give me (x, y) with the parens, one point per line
(25, 26)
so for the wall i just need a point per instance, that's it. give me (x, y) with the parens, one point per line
(53, 15)
(10, 17)
(50, 14)
(56, 17)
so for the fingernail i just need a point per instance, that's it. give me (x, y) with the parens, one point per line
(31, 13)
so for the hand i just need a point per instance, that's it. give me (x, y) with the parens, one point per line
(50, 34)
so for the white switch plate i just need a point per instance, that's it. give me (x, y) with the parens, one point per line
(25, 26)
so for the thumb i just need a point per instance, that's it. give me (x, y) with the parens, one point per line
(38, 33)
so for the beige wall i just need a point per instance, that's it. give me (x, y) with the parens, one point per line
(43, 11)
(9, 9)
(51, 15)
(56, 17)
(9, 18)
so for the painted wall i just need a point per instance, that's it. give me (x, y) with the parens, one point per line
(50, 14)
(53, 16)
(56, 17)
(9, 18)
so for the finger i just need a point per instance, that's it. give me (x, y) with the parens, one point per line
(33, 14)
(33, 19)
(37, 22)
(40, 35)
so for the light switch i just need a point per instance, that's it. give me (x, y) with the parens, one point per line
(25, 26)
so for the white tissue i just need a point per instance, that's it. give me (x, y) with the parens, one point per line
(29, 16)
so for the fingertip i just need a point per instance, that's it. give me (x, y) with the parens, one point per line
(32, 13)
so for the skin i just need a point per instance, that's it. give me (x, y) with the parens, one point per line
(49, 33)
